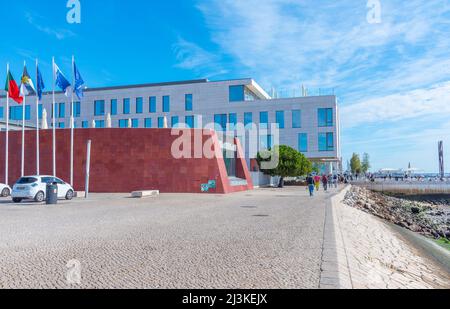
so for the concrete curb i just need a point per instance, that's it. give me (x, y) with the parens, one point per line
(335, 271)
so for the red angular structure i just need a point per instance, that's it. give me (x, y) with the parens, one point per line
(126, 160)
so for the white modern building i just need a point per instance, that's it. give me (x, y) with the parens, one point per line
(309, 124)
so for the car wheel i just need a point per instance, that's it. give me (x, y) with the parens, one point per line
(69, 195)
(17, 200)
(5, 192)
(39, 197)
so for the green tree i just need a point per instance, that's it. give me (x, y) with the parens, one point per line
(355, 164)
(291, 163)
(365, 165)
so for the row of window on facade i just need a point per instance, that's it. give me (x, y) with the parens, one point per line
(99, 105)
(15, 112)
(229, 121)
(325, 142)
(190, 122)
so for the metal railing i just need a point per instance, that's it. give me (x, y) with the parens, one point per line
(299, 92)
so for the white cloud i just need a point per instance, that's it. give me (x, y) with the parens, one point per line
(59, 33)
(390, 76)
(397, 107)
(290, 42)
(192, 57)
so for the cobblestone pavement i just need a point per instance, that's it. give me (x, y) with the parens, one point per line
(266, 238)
(370, 254)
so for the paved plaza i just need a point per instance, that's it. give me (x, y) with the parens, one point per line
(266, 238)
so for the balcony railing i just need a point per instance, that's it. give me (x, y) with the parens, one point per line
(299, 92)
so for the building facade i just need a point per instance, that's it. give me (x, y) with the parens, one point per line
(239, 107)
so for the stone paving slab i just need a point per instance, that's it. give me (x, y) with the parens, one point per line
(266, 238)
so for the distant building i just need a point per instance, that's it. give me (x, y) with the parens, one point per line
(309, 124)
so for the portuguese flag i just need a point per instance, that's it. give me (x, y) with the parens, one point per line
(12, 88)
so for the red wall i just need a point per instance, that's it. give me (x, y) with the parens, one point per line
(122, 160)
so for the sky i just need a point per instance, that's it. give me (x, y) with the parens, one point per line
(391, 76)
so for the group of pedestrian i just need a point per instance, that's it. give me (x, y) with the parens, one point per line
(327, 181)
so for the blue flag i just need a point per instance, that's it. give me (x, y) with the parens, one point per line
(39, 84)
(79, 82)
(61, 81)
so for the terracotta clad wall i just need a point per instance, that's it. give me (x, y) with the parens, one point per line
(122, 160)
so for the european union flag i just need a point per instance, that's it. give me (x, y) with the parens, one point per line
(61, 81)
(79, 82)
(39, 84)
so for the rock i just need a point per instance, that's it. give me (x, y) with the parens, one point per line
(415, 210)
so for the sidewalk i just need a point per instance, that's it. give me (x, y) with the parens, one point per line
(362, 251)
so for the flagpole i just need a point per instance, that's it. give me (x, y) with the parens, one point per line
(72, 122)
(53, 119)
(7, 132)
(22, 170)
(37, 121)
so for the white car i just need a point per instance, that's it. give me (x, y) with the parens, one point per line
(5, 190)
(35, 187)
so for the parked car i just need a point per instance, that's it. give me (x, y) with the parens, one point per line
(34, 187)
(5, 190)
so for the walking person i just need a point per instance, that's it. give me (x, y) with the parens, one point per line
(317, 182)
(325, 182)
(310, 183)
(335, 181)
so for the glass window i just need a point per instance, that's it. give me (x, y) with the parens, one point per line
(264, 120)
(126, 106)
(113, 107)
(220, 121)
(296, 119)
(28, 112)
(303, 142)
(152, 105)
(189, 120)
(248, 120)
(160, 122)
(54, 106)
(326, 142)
(61, 125)
(175, 121)
(123, 123)
(62, 110)
(99, 108)
(135, 123)
(76, 109)
(148, 122)
(27, 180)
(325, 116)
(15, 112)
(236, 93)
(266, 142)
(1, 112)
(233, 121)
(139, 106)
(166, 104)
(100, 124)
(40, 110)
(188, 102)
(84, 124)
(279, 115)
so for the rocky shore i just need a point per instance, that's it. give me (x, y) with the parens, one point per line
(429, 218)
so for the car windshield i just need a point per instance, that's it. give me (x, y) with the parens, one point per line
(26, 180)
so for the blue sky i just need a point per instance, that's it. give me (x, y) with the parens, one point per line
(392, 78)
